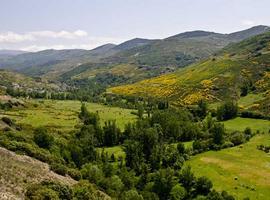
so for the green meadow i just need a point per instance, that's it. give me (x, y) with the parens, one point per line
(240, 124)
(63, 115)
(243, 171)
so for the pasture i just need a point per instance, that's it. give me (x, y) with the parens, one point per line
(63, 115)
(243, 171)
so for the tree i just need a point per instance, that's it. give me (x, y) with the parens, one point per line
(203, 185)
(181, 148)
(164, 181)
(177, 193)
(42, 138)
(149, 141)
(134, 154)
(140, 111)
(226, 111)
(111, 133)
(202, 109)
(87, 117)
(92, 173)
(187, 178)
(131, 195)
(86, 140)
(218, 133)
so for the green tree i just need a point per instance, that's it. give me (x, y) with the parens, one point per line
(226, 111)
(140, 111)
(87, 117)
(164, 181)
(203, 185)
(42, 138)
(187, 178)
(181, 148)
(131, 195)
(177, 193)
(202, 109)
(218, 133)
(111, 133)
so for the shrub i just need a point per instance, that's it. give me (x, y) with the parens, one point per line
(237, 138)
(84, 190)
(254, 115)
(75, 174)
(48, 190)
(59, 169)
(7, 120)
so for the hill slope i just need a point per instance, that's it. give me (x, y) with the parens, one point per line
(238, 66)
(18, 171)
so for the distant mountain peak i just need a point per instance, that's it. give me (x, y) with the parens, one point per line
(106, 46)
(136, 42)
(194, 34)
(255, 30)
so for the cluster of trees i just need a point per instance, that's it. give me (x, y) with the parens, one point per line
(214, 136)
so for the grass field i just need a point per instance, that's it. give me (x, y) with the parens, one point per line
(63, 115)
(243, 171)
(241, 123)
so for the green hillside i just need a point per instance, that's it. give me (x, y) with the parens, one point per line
(239, 68)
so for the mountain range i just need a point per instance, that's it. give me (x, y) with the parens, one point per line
(135, 59)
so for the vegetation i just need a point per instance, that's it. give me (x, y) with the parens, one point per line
(213, 79)
(151, 166)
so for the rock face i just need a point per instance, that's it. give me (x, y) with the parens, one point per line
(17, 171)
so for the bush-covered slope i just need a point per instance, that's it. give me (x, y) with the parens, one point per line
(239, 68)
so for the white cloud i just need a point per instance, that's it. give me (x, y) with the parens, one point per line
(61, 34)
(11, 37)
(248, 22)
(41, 40)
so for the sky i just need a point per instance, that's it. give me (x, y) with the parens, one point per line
(34, 25)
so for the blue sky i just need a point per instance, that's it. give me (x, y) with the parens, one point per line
(39, 24)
